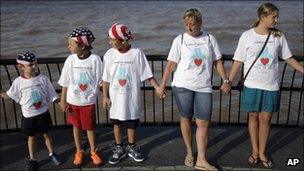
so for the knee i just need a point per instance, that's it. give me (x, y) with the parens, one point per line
(202, 123)
(264, 120)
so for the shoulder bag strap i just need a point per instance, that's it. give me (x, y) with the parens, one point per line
(258, 55)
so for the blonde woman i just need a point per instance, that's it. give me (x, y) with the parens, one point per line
(261, 93)
(194, 54)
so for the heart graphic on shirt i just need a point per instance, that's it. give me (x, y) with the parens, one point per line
(198, 62)
(122, 82)
(264, 61)
(83, 87)
(37, 105)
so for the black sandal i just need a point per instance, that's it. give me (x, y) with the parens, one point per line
(267, 164)
(252, 160)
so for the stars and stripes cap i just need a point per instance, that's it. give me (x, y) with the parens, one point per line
(120, 32)
(82, 35)
(26, 58)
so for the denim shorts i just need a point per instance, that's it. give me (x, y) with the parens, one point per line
(257, 100)
(192, 103)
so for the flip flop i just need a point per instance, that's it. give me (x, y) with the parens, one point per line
(189, 161)
(253, 161)
(267, 164)
(212, 168)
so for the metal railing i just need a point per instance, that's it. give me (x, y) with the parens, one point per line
(226, 108)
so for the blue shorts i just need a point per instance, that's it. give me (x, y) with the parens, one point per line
(192, 103)
(257, 100)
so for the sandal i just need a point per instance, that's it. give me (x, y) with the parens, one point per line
(253, 161)
(267, 164)
(189, 161)
(211, 168)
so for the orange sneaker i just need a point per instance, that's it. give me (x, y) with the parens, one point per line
(78, 157)
(96, 158)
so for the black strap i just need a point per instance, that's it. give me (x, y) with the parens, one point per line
(257, 56)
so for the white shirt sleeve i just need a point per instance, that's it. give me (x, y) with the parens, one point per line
(106, 71)
(14, 92)
(240, 52)
(64, 79)
(175, 51)
(99, 71)
(216, 49)
(284, 51)
(144, 67)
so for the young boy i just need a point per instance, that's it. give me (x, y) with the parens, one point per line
(125, 68)
(34, 92)
(81, 79)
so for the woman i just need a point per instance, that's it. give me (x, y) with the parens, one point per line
(261, 93)
(194, 54)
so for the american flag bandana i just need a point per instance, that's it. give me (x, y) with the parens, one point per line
(82, 35)
(26, 58)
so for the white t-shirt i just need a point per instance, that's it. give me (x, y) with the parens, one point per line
(125, 72)
(194, 57)
(265, 72)
(34, 94)
(83, 77)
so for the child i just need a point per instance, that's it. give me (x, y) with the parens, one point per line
(34, 92)
(260, 98)
(81, 79)
(125, 68)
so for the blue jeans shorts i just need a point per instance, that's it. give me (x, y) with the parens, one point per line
(192, 103)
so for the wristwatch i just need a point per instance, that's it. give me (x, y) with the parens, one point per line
(226, 81)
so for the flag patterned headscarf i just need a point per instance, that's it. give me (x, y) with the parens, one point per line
(120, 32)
(82, 36)
(26, 58)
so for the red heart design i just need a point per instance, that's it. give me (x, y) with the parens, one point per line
(122, 82)
(264, 61)
(198, 62)
(37, 105)
(83, 87)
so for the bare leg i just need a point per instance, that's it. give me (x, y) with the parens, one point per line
(185, 124)
(91, 138)
(264, 130)
(118, 134)
(132, 135)
(202, 141)
(77, 137)
(31, 143)
(49, 143)
(253, 127)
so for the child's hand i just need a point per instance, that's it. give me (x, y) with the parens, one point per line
(106, 103)
(4, 95)
(63, 106)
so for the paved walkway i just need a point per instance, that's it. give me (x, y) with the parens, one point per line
(228, 149)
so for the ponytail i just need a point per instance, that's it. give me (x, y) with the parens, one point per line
(255, 23)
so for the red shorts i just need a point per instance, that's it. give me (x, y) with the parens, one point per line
(82, 117)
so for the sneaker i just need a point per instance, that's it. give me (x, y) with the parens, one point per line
(55, 159)
(78, 157)
(96, 158)
(118, 154)
(32, 165)
(134, 152)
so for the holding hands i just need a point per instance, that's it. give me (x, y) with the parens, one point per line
(226, 87)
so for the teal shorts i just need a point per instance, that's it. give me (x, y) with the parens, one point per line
(257, 100)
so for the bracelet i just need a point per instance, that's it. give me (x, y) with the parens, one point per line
(226, 81)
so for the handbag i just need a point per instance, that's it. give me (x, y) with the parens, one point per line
(240, 84)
